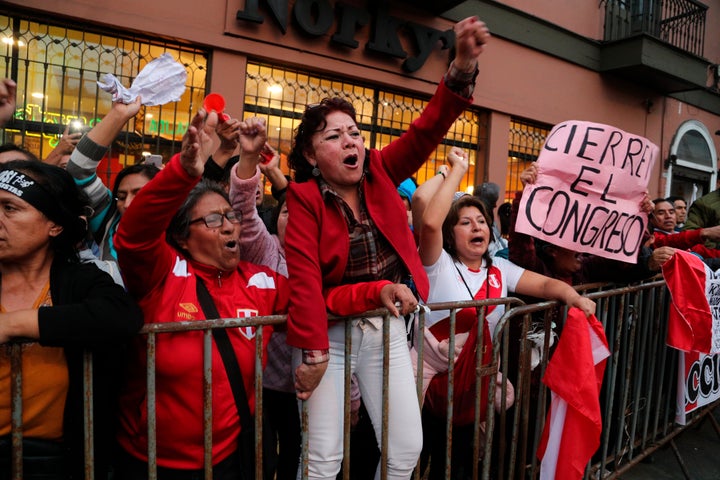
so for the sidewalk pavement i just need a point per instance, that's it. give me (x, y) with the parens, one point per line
(699, 448)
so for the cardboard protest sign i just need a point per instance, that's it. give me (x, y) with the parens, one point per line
(591, 181)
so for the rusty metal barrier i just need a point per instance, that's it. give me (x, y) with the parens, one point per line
(638, 394)
(637, 397)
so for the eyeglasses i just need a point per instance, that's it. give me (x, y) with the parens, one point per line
(215, 220)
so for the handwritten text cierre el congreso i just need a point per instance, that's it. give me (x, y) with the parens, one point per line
(591, 180)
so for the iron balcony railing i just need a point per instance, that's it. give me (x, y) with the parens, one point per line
(680, 23)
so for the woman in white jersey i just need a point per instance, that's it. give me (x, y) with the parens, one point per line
(453, 248)
(453, 245)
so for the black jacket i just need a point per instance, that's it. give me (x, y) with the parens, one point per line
(90, 311)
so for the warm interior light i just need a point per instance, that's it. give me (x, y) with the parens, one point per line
(275, 89)
(37, 95)
(146, 154)
(7, 40)
(470, 189)
(148, 115)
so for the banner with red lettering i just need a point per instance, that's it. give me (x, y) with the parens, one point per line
(698, 382)
(591, 181)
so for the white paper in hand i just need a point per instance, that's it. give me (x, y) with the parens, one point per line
(160, 82)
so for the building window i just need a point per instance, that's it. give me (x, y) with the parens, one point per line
(280, 95)
(692, 167)
(56, 69)
(524, 144)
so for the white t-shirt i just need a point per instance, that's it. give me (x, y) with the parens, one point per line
(446, 285)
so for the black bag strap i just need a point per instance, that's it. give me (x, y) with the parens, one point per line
(228, 356)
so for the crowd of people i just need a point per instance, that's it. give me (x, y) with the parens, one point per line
(83, 265)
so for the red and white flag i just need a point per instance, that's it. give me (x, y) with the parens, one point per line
(574, 374)
(694, 319)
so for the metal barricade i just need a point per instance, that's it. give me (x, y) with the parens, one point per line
(637, 397)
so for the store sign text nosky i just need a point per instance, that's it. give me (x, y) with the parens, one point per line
(316, 18)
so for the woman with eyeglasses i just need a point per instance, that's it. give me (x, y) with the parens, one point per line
(348, 227)
(179, 234)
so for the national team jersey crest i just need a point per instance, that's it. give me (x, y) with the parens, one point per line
(247, 332)
(493, 281)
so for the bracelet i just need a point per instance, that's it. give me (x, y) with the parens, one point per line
(313, 357)
(440, 172)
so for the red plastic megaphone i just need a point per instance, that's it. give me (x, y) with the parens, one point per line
(215, 101)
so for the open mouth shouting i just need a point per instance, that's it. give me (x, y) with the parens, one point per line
(232, 246)
(351, 160)
(479, 240)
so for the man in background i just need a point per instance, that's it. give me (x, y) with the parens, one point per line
(489, 192)
(680, 211)
(705, 212)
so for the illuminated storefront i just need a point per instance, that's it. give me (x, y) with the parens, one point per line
(57, 66)
(57, 69)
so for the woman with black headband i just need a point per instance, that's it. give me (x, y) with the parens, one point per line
(56, 308)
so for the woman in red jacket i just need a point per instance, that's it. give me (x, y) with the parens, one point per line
(348, 226)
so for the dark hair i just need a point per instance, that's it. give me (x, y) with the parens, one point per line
(452, 219)
(145, 169)
(276, 211)
(489, 193)
(542, 250)
(313, 120)
(27, 154)
(658, 200)
(70, 201)
(179, 228)
(503, 213)
(674, 198)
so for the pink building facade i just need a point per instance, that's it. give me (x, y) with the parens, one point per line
(622, 63)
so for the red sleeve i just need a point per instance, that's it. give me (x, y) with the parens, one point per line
(144, 256)
(521, 247)
(354, 298)
(684, 240)
(706, 252)
(403, 157)
(307, 316)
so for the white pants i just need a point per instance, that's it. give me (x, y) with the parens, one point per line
(325, 405)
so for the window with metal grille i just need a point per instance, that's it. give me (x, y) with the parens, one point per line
(56, 69)
(524, 143)
(280, 95)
